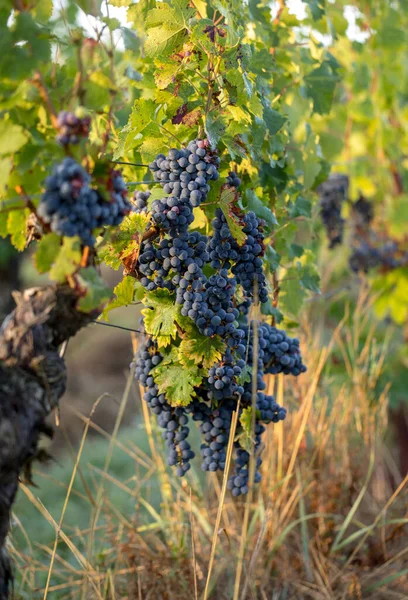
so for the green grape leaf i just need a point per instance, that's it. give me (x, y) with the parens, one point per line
(246, 375)
(245, 437)
(6, 165)
(12, 137)
(96, 292)
(273, 119)
(317, 8)
(320, 85)
(260, 209)
(161, 314)
(301, 207)
(309, 277)
(130, 39)
(197, 349)
(227, 201)
(273, 258)
(17, 227)
(215, 129)
(176, 381)
(47, 249)
(124, 294)
(268, 309)
(393, 294)
(167, 28)
(3, 225)
(292, 293)
(67, 260)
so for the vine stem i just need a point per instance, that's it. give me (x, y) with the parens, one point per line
(38, 81)
(122, 162)
(29, 203)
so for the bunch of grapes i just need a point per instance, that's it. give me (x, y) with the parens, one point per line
(207, 274)
(185, 173)
(367, 256)
(71, 128)
(71, 207)
(173, 420)
(140, 200)
(245, 261)
(333, 193)
(362, 213)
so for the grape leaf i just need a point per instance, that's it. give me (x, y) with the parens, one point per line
(214, 129)
(17, 227)
(292, 293)
(160, 315)
(316, 8)
(245, 437)
(246, 374)
(226, 201)
(12, 137)
(6, 165)
(3, 225)
(47, 249)
(126, 243)
(176, 381)
(320, 86)
(273, 119)
(260, 209)
(96, 290)
(309, 278)
(67, 260)
(124, 294)
(167, 28)
(197, 349)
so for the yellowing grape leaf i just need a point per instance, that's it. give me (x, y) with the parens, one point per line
(197, 349)
(176, 381)
(160, 316)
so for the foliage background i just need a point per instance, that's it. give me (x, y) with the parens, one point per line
(299, 96)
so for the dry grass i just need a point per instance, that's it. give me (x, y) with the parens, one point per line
(327, 522)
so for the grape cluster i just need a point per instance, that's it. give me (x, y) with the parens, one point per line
(173, 420)
(224, 378)
(333, 193)
(164, 264)
(215, 426)
(281, 353)
(203, 273)
(245, 261)
(362, 212)
(185, 173)
(269, 410)
(387, 256)
(238, 482)
(140, 200)
(72, 128)
(233, 180)
(72, 207)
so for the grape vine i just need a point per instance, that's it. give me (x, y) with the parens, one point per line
(211, 282)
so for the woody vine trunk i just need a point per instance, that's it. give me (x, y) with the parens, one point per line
(32, 380)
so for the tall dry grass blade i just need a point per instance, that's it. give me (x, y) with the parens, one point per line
(356, 504)
(230, 448)
(118, 422)
(252, 461)
(88, 570)
(303, 416)
(376, 521)
(303, 527)
(68, 494)
(193, 549)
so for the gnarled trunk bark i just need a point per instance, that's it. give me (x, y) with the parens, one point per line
(32, 380)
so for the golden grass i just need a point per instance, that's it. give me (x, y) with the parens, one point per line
(326, 522)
